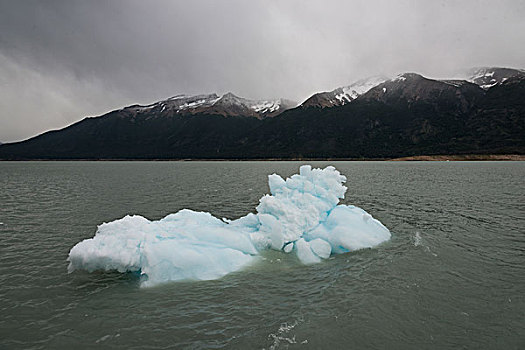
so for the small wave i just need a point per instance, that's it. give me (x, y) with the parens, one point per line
(281, 336)
(418, 242)
(107, 337)
(417, 239)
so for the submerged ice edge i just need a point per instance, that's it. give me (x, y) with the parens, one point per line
(301, 215)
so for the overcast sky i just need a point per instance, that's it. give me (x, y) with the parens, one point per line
(63, 60)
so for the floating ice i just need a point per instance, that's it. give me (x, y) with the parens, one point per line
(301, 215)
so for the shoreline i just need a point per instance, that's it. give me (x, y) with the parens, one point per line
(424, 158)
(464, 157)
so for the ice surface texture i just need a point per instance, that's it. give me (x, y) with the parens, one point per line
(301, 216)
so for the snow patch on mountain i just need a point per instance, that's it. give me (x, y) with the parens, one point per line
(266, 106)
(227, 104)
(353, 91)
(345, 94)
(400, 77)
(487, 77)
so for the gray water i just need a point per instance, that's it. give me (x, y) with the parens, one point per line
(452, 276)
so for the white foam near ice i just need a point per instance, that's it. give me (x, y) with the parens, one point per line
(301, 216)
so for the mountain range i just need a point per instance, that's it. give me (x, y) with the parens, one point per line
(379, 117)
(226, 105)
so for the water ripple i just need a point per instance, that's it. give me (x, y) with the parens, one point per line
(450, 277)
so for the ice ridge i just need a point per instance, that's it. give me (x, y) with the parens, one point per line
(301, 215)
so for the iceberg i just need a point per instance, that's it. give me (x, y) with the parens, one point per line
(300, 216)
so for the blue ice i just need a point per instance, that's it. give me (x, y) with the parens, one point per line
(301, 216)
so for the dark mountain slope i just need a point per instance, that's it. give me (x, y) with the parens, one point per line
(406, 116)
(411, 88)
(498, 123)
(117, 136)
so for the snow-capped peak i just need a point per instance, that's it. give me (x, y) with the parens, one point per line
(227, 104)
(487, 77)
(351, 92)
(261, 108)
(345, 94)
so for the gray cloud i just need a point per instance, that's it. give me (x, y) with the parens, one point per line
(62, 60)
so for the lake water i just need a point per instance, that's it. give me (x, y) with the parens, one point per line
(452, 276)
